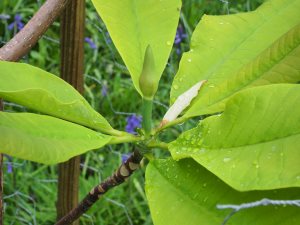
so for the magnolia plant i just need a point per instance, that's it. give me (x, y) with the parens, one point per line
(240, 75)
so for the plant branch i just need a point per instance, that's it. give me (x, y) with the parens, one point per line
(147, 115)
(120, 175)
(170, 124)
(158, 144)
(125, 139)
(23, 41)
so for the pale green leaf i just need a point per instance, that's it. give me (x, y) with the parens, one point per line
(238, 51)
(45, 139)
(184, 193)
(133, 25)
(254, 144)
(39, 90)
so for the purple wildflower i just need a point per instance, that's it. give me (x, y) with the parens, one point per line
(180, 36)
(124, 157)
(133, 122)
(9, 164)
(9, 167)
(17, 23)
(104, 90)
(90, 42)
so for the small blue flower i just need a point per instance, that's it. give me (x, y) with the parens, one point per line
(124, 157)
(9, 164)
(180, 35)
(104, 90)
(133, 122)
(17, 23)
(179, 38)
(90, 42)
(9, 167)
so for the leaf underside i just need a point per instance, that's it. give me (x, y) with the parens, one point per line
(234, 52)
(184, 193)
(253, 145)
(133, 25)
(44, 92)
(45, 139)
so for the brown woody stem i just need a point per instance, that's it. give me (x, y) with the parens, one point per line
(23, 41)
(121, 174)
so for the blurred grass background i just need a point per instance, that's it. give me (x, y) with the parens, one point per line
(30, 188)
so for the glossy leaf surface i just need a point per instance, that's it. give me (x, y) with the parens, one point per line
(39, 90)
(133, 25)
(45, 139)
(254, 143)
(238, 51)
(184, 193)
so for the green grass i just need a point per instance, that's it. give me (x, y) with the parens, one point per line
(30, 190)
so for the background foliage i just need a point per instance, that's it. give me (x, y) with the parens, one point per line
(30, 188)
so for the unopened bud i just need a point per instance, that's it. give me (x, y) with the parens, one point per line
(147, 82)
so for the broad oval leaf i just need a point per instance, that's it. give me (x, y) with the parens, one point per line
(253, 145)
(238, 51)
(184, 193)
(45, 139)
(133, 25)
(39, 90)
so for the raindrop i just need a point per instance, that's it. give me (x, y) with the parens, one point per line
(169, 43)
(225, 160)
(204, 185)
(189, 60)
(211, 86)
(175, 87)
(221, 23)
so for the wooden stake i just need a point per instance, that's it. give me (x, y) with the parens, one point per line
(72, 39)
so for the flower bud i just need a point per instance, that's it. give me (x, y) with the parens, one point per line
(147, 81)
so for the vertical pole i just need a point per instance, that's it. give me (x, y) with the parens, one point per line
(72, 39)
(1, 179)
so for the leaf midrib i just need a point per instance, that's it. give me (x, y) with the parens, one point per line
(252, 144)
(255, 78)
(225, 58)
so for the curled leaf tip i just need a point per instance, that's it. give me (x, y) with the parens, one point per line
(181, 103)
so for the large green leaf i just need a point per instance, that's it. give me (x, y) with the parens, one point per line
(133, 25)
(184, 193)
(234, 52)
(254, 144)
(47, 93)
(45, 139)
